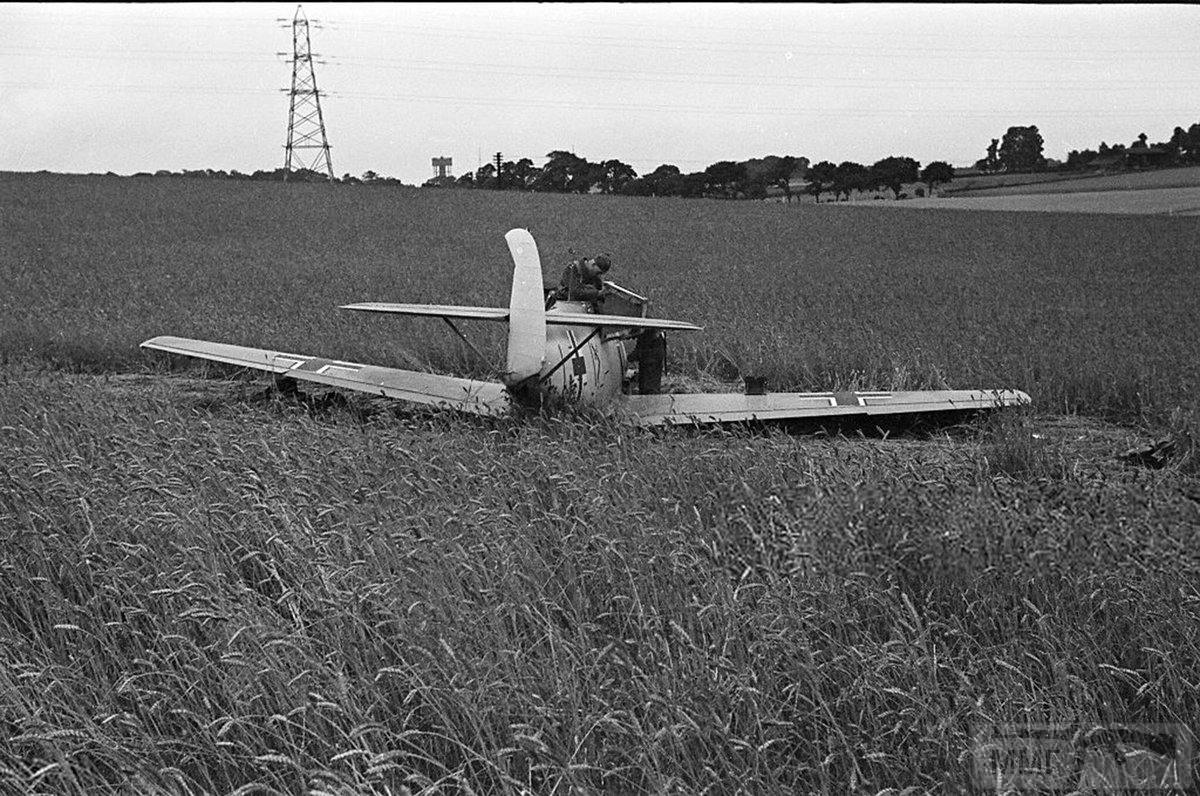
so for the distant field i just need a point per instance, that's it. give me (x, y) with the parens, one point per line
(1152, 201)
(1129, 181)
(981, 182)
(211, 589)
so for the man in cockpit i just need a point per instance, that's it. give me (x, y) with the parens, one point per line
(583, 280)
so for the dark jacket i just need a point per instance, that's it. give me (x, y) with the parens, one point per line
(575, 286)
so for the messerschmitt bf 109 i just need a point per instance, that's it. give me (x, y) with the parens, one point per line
(573, 352)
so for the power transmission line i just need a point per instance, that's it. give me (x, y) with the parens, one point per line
(306, 123)
(723, 78)
(807, 111)
(692, 78)
(666, 45)
(1057, 37)
(126, 21)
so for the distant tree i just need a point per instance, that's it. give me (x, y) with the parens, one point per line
(756, 176)
(1140, 143)
(517, 176)
(850, 176)
(775, 171)
(789, 168)
(870, 181)
(1178, 142)
(724, 178)
(467, 180)
(369, 176)
(524, 173)
(821, 178)
(666, 180)
(894, 171)
(298, 175)
(1192, 143)
(611, 175)
(564, 172)
(636, 187)
(990, 162)
(1078, 159)
(694, 184)
(485, 176)
(937, 172)
(1021, 149)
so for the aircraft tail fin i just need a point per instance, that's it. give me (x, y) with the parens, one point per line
(527, 313)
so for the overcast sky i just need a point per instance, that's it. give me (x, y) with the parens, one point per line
(127, 88)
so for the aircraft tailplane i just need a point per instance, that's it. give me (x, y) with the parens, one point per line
(527, 312)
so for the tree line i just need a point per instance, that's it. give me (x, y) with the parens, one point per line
(272, 175)
(566, 172)
(1183, 147)
(1020, 149)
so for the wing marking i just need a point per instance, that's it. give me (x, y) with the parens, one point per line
(706, 408)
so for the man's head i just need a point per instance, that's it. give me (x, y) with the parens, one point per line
(597, 266)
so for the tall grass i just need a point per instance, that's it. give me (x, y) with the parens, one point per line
(210, 595)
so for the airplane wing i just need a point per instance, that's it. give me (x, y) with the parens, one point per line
(502, 314)
(436, 310)
(467, 395)
(622, 321)
(709, 408)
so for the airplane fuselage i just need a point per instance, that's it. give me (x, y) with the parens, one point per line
(583, 364)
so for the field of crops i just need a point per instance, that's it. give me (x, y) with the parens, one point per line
(1147, 201)
(209, 589)
(1023, 184)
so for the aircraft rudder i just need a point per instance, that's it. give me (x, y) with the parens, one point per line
(527, 312)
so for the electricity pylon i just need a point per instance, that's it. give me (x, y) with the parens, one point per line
(306, 124)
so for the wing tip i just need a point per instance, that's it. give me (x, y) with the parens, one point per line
(157, 341)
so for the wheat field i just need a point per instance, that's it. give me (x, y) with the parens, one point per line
(211, 589)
